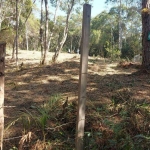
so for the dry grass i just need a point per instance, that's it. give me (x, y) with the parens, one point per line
(112, 92)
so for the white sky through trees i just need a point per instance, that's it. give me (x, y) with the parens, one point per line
(97, 7)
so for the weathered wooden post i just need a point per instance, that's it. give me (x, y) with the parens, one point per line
(2, 68)
(83, 76)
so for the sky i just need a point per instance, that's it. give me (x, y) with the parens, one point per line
(98, 6)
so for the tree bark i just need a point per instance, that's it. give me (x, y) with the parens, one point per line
(17, 18)
(60, 45)
(54, 21)
(2, 67)
(46, 34)
(0, 13)
(145, 34)
(27, 42)
(120, 28)
(41, 30)
(13, 51)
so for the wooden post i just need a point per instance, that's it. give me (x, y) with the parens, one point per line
(2, 67)
(83, 76)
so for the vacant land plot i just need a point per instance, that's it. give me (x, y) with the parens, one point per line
(117, 111)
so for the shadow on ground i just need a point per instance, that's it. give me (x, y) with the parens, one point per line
(34, 84)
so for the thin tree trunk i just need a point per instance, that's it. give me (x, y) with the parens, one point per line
(27, 42)
(18, 14)
(41, 30)
(14, 48)
(0, 14)
(46, 35)
(145, 35)
(60, 46)
(71, 44)
(120, 28)
(54, 21)
(17, 17)
(2, 67)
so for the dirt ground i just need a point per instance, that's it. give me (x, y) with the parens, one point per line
(34, 84)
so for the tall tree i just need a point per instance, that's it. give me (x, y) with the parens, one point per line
(146, 34)
(41, 30)
(70, 4)
(120, 25)
(54, 22)
(119, 21)
(46, 33)
(17, 25)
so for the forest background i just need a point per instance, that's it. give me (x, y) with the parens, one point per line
(41, 93)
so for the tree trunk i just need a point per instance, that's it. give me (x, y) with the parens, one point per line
(60, 46)
(120, 28)
(71, 39)
(41, 30)
(0, 13)
(27, 42)
(145, 34)
(17, 17)
(14, 46)
(2, 66)
(54, 21)
(46, 34)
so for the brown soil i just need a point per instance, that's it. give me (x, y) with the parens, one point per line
(33, 84)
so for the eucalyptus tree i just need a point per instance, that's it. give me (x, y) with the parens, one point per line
(146, 34)
(132, 32)
(41, 30)
(54, 20)
(74, 35)
(6, 11)
(22, 11)
(7, 14)
(119, 2)
(69, 4)
(17, 25)
(104, 28)
(45, 33)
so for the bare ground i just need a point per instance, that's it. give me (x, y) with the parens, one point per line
(34, 84)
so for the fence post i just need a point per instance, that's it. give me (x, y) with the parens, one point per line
(2, 68)
(83, 76)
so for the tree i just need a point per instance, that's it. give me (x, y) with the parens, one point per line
(41, 30)
(119, 21)
(2, 66)
(146, 34)
(70, 5)
(45, 33)
(17, 25)
(74, 35)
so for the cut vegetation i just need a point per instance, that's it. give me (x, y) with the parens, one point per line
(41, 105)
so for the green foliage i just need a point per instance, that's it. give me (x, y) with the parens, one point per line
(122, 125)
(127, 51)
(14, 148)
(7, 35)
(27, 8)
(107, 25)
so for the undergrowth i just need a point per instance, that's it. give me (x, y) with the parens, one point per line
(122, 124)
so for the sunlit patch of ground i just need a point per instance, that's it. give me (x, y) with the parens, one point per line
(34, 84)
